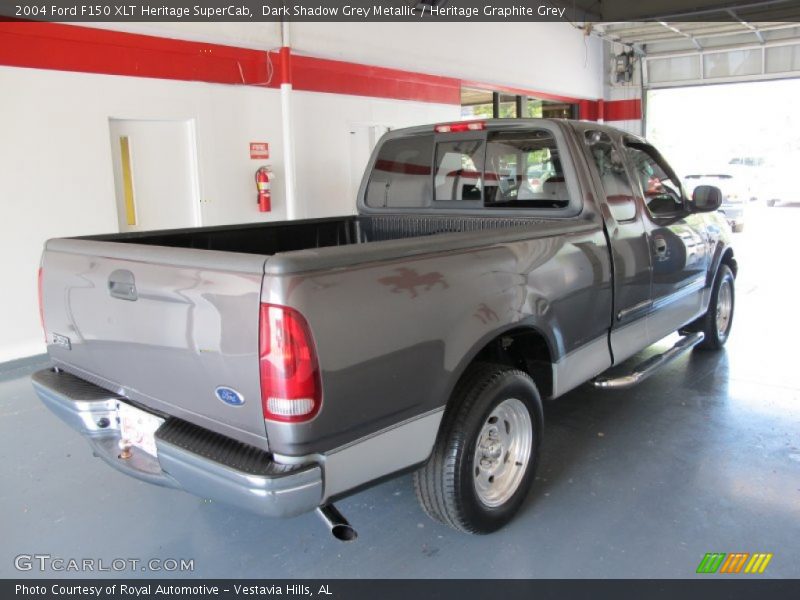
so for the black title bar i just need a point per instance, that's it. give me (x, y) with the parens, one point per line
(571, 11)
(292, 10)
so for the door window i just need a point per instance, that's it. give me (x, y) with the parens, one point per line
(660, 188)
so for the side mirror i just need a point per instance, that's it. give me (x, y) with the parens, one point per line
(706, 198)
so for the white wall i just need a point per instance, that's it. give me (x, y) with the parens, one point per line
(56, 176)
(260, 36)
(323, 146)
(624, 90)
(546, 57)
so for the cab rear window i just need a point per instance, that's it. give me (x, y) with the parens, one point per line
(401, 177)
(459, 170)
(501, 170)
(523, 170)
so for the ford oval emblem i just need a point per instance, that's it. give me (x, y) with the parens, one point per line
(229, 396)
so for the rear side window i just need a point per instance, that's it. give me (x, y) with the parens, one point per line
(613, 177)
(459, 170)
(401, 177)
(523, 170)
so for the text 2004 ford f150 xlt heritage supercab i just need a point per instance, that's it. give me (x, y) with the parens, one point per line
(280, 366)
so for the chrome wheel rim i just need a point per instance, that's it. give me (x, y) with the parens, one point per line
(502, 452)
(724, 308)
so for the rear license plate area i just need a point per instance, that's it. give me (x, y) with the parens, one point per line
(138, 428)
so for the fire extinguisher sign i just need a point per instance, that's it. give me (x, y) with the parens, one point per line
(259, 150)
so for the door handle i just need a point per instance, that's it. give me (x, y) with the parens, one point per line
(122, 285)
(660, 245)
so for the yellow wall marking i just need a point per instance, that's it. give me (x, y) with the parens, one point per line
(127, 180)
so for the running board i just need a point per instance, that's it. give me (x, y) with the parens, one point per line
(643, 370)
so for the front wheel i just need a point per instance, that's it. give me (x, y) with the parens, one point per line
(716, 323)
(486, 454)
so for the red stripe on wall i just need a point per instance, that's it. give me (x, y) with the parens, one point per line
(89, 50)
(610, 110)
(622, 110)
(285, 54)
(587, 110)
(86, 49)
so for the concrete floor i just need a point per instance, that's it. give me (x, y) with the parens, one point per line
(703, 457)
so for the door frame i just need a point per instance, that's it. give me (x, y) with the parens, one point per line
(195, 190)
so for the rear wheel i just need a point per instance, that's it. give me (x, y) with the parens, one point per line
(486, 454)
(716, 323)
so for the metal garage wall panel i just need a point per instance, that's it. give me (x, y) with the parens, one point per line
(782, 59)
(679, 68)
(734, 63)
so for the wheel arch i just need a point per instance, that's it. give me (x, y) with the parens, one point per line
(524, 347)
(722, 256)
(727, 258)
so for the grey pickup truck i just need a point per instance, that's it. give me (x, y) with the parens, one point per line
(278, 367)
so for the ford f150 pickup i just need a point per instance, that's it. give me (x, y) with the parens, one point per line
(280, 366)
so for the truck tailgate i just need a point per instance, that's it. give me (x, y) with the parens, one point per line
(163, 327)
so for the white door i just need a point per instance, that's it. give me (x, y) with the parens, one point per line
(363, 139)
(155, 174)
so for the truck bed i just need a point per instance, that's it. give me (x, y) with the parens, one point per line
(163, 318)
(287, 236)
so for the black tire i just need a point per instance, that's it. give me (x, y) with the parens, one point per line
(715, 339)
(445, 485)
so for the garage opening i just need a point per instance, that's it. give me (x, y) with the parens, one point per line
(749, 147)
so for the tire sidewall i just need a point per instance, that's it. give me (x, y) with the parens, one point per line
(725, 274)
(512, 384)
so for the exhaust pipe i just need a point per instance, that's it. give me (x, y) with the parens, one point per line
(340, 528)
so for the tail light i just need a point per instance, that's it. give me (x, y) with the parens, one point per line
(41, 304)
(290, 383)
(460, 126)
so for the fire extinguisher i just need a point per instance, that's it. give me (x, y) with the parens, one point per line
(263, 175)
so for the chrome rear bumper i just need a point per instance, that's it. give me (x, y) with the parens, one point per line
(238, 474)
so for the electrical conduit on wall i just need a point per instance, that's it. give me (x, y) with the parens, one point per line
(292, 211)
